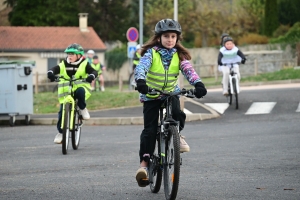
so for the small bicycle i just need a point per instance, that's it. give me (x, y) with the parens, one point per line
(72, 120)
(166, 156)
(233, 86)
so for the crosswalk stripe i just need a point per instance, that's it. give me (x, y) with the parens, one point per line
(186, 111)
(260, 108)
(219, 107)
(298, 109)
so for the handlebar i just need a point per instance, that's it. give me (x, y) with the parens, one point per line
(71, 80)
(190, 93)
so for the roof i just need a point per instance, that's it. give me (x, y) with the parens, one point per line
(32, 39)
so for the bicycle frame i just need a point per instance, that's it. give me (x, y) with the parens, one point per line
(69, 99)
(233, 74)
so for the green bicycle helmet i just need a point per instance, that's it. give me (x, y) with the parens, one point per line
(167, 25)
(75, 48)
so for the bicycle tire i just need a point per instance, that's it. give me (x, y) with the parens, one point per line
(229, 97)
(66, 129)
(172, 165)
(76, 131)
(130, 81)
(155, 171)
(235, 93)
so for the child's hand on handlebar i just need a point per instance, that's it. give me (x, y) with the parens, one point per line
(51, 76)
(200, 90)
(142, 86)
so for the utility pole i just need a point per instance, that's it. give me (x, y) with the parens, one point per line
(141, 22)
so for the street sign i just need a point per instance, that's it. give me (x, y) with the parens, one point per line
(131, 48)
(132, 34)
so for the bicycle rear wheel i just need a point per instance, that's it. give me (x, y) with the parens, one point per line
(155, 171)
(235, 93)
(66, 128)
(172, 164)
(76, 132)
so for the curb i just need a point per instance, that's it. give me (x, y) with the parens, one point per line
(121, 120)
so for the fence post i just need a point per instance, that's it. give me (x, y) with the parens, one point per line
(255, 67)
(36, 89)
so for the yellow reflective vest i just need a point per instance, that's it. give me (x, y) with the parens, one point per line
(97, 67)
(63, 85)
(159, 78)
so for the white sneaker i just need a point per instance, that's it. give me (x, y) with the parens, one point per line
(85, 113)
(58, 138)
(184, 147)
(102, 88)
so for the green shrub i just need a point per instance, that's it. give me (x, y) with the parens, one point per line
(291, 37)
(116, 57)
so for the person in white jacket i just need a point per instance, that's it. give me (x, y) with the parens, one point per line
(229, 54)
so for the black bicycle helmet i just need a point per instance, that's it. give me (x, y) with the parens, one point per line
(167, 25)
(226, 39)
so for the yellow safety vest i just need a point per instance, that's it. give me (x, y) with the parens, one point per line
(63, 85)
(159, 78)
(136, 62)
(97, 67)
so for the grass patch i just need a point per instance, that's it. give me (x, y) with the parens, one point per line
(284, 74)
(47, 102)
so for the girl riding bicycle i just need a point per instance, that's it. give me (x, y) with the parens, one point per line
(228, 54)
(74, 65)
(163, 56)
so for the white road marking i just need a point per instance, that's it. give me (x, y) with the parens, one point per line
(260, 108)
(298, 109)
(219, 107)
(186, 111)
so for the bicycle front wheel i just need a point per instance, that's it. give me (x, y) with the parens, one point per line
(229, 97)
(155, 171)
(66, 128)
(172, 164)
(76, 132)
(235, 93)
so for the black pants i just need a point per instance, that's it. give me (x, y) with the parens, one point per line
(80, 95)
(151, 117)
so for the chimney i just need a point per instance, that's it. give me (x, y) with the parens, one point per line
(83, 18)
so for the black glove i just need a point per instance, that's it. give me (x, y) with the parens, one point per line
(51, 76)
(220, 63)
(200, 90)
(243, 60)
(141, 86)
(90, 78)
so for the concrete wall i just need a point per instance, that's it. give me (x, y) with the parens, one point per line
(260, 59)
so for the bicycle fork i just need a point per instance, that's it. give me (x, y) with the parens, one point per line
(236, 83)
(70, 100)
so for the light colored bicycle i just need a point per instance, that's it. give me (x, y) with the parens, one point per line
(72, 120)
(233, 86)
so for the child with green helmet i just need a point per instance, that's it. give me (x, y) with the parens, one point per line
(76, 65)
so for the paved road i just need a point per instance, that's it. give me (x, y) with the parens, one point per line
(235, 156)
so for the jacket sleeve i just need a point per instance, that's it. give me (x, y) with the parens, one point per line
(239, 53)
(220, 58)
(90, 70)
(189, 72)
(55, 70)
(144, 65)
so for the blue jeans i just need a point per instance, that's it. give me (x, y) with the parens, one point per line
(80, 96)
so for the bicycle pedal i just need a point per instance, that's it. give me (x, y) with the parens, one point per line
(144, 182)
